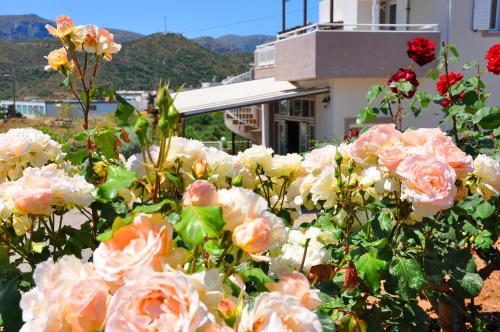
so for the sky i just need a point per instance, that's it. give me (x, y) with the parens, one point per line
(193, 18)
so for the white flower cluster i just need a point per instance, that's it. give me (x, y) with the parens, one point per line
(21, 147)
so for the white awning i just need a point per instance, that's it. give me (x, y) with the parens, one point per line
(224, 97)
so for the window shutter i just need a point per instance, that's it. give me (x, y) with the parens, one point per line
(482, 14)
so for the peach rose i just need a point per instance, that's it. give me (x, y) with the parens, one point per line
(277, 312)
(57, 59)
(428, 183)
(296, 284)
(68, 297)
(239, 205)
(160, 301)
(200, 193)
(143, 243)
(253, 236)
(317, 159)
(88, 301)
(34, 201)
(86, 38)
(106, 44)
(367, 147)
(217, 328)
(390, 157)
(444, 150)
(64, 27)
(419, 137)
(199, 168)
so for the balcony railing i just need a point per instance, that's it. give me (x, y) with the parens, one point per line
(265, 53)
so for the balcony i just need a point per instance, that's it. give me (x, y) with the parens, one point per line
(330, 50)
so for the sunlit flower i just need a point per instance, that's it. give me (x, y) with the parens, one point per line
(64, 27)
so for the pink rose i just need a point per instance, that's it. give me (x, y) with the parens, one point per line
(296, 284)
(200, 193)
(317, 159)
(156, 302)
(68, 297)
(367, 147)
(419, 137)
(428, 183)
(143, 243)
(444, 150)
(277, 312)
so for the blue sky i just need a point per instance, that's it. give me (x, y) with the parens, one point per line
(191, 17)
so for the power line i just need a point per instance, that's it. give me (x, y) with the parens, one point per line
(244, 22)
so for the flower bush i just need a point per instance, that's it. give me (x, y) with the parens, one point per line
(187, 238)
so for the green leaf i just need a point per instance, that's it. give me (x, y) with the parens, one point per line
(174, 179)
(484, 210)
(326, 322)
(409, 274)
(4, 256)
(483, 239)
(492, 120)
(105, 141)
(256, 277)
(76, 157)
(106, 236)
(156, 207)
(373, 93)
(199, 222)
(9, 306)
(370, 269)
(367, 114)
(123, 111)
(118, 178)
(472, 283)
(469, 65)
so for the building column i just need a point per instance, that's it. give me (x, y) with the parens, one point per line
(264, 125)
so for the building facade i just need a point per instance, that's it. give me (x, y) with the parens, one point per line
(311, 82)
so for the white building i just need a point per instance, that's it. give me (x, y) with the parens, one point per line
(312, 81)
(52, 108)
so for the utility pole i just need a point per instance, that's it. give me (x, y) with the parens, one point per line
(305, 12)
(12, 76)
(283, 15)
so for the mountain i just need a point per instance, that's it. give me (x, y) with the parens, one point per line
(139, 65)
(233, 43)
(32, 27)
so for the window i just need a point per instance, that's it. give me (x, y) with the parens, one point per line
(388, 14)
(486, 15)
(495, 15)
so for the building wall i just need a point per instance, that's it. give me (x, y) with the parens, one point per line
(348, 97)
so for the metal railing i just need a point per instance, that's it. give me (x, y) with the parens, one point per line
(358, 27)
(239, 114)
(265, 53)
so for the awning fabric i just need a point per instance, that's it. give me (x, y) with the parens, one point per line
(224, 97)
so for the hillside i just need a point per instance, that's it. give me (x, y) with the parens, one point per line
(32, 27)
(233, 43)
(139, 65)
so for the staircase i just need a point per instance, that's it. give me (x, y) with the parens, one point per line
(244, 122)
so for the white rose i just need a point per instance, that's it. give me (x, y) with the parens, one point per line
(487, 170)
(278, 313)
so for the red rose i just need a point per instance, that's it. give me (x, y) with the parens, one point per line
(403, 75)
(421, 50)
(446, 102)
(493, 57)
(442, 85)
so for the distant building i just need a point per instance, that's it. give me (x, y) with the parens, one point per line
(51, 108)
(138, 98)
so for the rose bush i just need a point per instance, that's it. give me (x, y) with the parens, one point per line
(187, 238)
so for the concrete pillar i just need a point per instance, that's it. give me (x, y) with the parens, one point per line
(264, 124)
